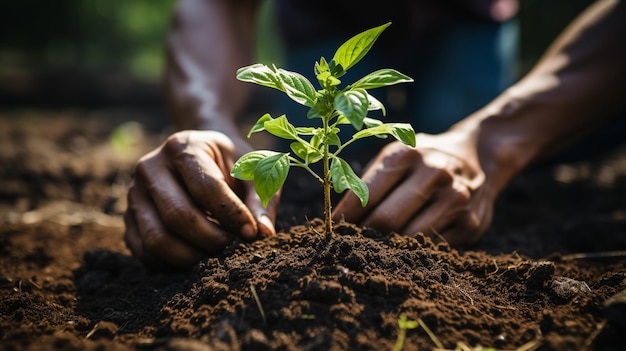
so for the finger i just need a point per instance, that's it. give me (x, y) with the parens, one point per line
(207, 185)
(133, 241)
(464, 231)
(469, 228)
(265, 216)
(156, 243)
(402, 204)
(175, 209)
(446, 207)
(385, 172)
(131, 235)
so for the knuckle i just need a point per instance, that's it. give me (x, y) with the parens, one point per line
(461, 197)
(441, 176)
(143, 170)
(130, 196)
(176, 143)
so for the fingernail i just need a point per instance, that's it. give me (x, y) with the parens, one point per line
(248, 231)
(266, 222)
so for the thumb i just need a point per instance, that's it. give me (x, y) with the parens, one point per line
(265, 216)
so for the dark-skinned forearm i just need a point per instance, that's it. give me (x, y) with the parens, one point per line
(575, 87)
(208, 41)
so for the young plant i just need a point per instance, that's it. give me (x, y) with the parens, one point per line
(403, 324)
(332, 106)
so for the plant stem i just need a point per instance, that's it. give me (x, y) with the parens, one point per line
(328, 221)
(400, 340)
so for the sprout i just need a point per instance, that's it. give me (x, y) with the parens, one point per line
(331, 105)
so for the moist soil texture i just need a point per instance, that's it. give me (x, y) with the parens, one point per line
(549, 275)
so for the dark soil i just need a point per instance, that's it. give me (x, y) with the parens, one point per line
(67, 281)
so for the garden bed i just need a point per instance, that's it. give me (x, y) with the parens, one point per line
(67, 281)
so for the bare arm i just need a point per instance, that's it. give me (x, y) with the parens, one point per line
(209, 40)
(448, 183)
(183, 203)
(577, 85)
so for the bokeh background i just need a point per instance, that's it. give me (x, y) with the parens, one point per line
(107, 53)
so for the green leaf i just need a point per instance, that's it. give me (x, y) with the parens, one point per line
(332, 138)
(246, 165)
(343, 177)
(322, 76)
(353, 104)
(401, 131)
(353, 50)
(381, 78)
(374, 104)
(306, 130)
(306, 152)
(260, 124)
(270, 175)
(371, 122)
(315, 111)
(297, 87)
(409, 324)
(317, 138)
(281, 128)
(319, 109)
(343, 120)
(260, 74)
(403, 323)
(327, 80)
(321, 66)
(336, 69)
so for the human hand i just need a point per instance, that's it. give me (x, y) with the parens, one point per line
(183, 203)
(438, 187)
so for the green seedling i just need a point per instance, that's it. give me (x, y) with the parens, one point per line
(333, 106)
(403, 324)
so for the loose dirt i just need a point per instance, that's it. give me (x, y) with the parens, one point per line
(67, 282)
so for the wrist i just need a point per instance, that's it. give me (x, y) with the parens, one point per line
(196, 119)
(504, 140)
(232, 131)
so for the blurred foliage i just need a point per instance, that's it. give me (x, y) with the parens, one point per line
(84, 35)
(129, 35)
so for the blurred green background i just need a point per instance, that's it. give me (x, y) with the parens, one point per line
(85, 42)
(84, 35)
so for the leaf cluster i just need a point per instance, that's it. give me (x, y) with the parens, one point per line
(334, 106)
